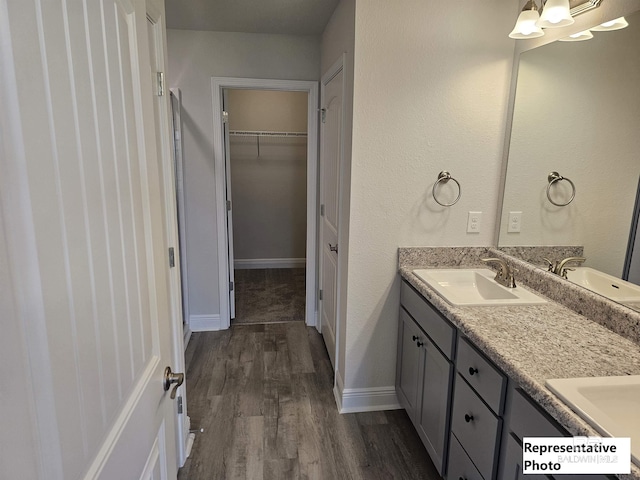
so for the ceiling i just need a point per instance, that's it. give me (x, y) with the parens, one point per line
(293, 17)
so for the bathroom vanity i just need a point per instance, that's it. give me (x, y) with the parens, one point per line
(472, 379)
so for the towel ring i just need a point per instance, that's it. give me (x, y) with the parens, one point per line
(444, 177)
(555, 177)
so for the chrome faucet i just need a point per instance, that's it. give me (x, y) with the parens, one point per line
(560, 267)
(505, 273)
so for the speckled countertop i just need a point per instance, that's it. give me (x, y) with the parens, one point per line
(530, 343)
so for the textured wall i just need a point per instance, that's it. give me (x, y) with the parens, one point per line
(430, 94)
(195, 57)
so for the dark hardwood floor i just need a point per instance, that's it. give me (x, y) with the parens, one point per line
(263, 394)
(268, 295)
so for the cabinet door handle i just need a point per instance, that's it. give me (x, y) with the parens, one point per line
(468, 418)
(419, 344)
(473, 371)
(415, 338)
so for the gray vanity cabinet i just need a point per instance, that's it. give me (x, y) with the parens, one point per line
(524, 418)
(424, 373)
(476, 421)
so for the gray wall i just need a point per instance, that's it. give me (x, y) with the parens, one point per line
(268, 178)
(195, 57)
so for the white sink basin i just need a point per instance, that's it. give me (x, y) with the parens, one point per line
(605, 284)
(610, 404)
(475, 287)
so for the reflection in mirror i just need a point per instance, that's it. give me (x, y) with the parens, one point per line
(577, 112)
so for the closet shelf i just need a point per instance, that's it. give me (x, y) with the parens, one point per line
(252, 133)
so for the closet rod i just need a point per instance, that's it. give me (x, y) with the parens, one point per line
(253, 133)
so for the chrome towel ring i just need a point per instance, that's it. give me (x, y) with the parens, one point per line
(444, 177)
(555, 177)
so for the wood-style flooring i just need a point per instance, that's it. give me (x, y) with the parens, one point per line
(263, 395)
(268, 295)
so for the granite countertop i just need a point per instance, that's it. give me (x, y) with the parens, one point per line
(534, 343)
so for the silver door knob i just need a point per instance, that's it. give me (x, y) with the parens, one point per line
(333, 248)
(172, 378)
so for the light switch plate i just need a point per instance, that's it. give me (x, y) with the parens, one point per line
(515, 222)
(473, 222)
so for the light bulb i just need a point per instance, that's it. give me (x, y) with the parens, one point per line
(526, 24)
(555, 13)
(615, 24)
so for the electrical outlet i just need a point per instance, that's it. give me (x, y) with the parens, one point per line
(473, 222)
(515, 222)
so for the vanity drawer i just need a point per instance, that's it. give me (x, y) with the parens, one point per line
(442, 333)
(485, 379)
(460, 465)
(476, 428)
(527, 419)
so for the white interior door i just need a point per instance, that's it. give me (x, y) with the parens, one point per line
(330, 163)
(84, 242)
(227, 169)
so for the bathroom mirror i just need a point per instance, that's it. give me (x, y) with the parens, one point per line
(576, 112)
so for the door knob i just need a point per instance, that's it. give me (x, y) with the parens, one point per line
(175, 378)
(333, 248)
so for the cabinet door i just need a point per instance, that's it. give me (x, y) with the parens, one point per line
(435, 407)
(409, 359)
(511, 463)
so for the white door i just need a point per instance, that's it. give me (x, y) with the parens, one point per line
(330, 163)
(84, 241)
(227, 169)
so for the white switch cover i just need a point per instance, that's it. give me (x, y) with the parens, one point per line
(473, 222)
(515, 222)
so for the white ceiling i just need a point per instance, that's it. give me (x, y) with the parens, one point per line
(294, 17)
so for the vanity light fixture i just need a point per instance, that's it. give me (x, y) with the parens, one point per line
(526, 25)
(617, 24)
(555, 13)
(578, 37)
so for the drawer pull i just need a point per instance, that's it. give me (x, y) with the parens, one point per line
(468, 418)
(473, 371)
(415, 338)
(419, 344)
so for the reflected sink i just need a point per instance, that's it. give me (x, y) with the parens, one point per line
(610, 404)
(605, 284)
(475, 287)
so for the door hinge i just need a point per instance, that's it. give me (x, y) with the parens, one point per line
(160, 82)
(231, 286)
(179, 399)
(322, 210)
(225, 117)
(323, 113)
(172, 257)
(228, 205)
(319, 294)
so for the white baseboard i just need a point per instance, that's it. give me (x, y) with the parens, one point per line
(251, 263)
(355, 400)
(204, 323)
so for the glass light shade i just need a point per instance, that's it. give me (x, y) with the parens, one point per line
(526, 26)
(555, 13)
(617, 24)
(578, 37)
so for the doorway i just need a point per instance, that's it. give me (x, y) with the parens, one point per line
(225, 201)
(266, 186)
